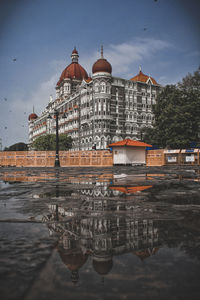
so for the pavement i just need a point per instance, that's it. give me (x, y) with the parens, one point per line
(100, 233)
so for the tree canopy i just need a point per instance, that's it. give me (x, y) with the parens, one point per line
(17, 147)
(48, 142)
(177, 115)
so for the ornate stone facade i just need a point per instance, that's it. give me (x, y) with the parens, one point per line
(100, 109)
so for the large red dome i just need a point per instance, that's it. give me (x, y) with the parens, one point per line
(74, 70)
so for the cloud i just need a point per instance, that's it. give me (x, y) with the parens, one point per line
(128, 54)
(125, 55)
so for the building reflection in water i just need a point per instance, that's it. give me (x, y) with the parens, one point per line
(102, 227)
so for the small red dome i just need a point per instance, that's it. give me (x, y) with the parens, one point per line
(32, 116)
(102, 65)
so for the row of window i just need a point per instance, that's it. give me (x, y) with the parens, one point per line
(102, 88)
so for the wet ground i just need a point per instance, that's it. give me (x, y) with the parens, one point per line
(109, 233)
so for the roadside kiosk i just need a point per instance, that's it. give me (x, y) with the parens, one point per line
(172, 157)
(190, 157)
(129, 152)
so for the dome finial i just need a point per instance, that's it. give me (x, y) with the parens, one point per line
(33, 109)
(74, 55)
(101, 51)
(140, 69)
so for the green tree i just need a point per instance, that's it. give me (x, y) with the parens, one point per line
(65, 142)
(17, 147)
(177, 115)
(48, 142)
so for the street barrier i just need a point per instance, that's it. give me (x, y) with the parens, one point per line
(95, 158)
(47, 158)
(155, 158)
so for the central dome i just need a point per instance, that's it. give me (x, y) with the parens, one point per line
(102, 65)
(74, 70)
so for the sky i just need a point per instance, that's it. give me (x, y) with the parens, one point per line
(38, 36)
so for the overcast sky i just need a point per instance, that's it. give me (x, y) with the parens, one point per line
(163, 37)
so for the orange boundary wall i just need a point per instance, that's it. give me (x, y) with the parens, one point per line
(101, 158)
(158, 158)
(47, 158)
(155, 158)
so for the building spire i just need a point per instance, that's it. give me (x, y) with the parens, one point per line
(74, 55)
(101, 51)
(140, 69)
(33, 109)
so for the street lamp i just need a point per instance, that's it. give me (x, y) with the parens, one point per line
(57, 160)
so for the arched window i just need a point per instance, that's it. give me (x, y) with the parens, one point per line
(143, 117)
(134, 127)
(148, 117)
(103, 87)
(135, 117)
(96, 88)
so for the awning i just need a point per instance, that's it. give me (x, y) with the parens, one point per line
(172, 151)
(190, 151)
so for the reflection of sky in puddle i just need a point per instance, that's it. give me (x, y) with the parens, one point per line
(3, 184)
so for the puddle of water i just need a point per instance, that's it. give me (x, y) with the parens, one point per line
(118, 255)
(3, 184)
(118, 237)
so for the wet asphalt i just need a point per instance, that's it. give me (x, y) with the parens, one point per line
(100, 233)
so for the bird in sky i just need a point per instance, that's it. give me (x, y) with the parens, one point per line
(5, 99)
(145, 28)
(5, 127)
(14, 59)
